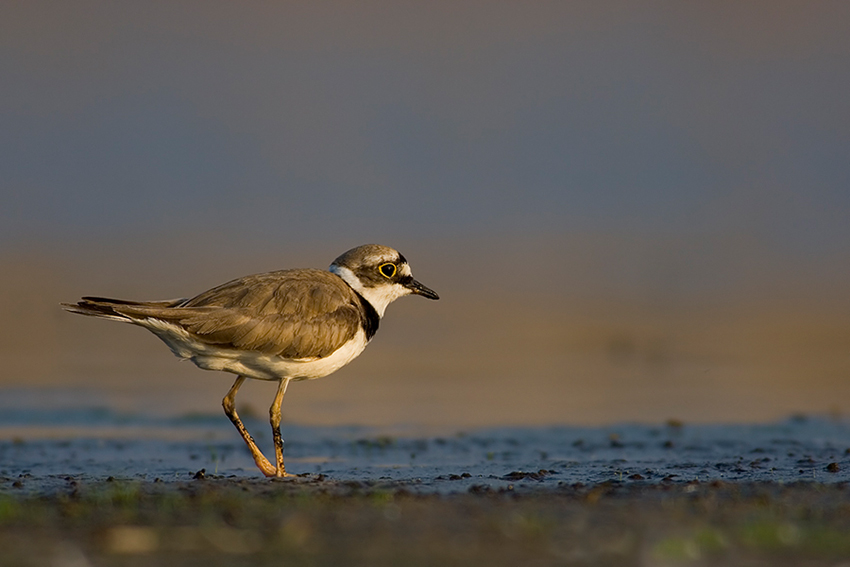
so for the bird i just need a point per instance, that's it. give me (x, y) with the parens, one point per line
(285, 325)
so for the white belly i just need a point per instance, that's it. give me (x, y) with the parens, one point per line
(254, 364)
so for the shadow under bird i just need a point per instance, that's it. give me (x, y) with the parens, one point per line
(281, 326)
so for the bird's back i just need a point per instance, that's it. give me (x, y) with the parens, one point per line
(293, 314)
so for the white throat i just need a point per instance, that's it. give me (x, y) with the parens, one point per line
(378, 297)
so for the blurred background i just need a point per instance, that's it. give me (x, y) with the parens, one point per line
(631, 211)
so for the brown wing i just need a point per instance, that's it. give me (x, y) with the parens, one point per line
(290, 313)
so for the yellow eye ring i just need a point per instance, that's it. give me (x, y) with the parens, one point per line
(387, 270)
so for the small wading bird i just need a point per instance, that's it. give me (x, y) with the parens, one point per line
(280, 326)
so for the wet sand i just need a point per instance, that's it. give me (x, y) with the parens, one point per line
(97, 487)
(316, 521)
(96, 443)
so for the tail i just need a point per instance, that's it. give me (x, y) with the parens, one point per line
(105, 308)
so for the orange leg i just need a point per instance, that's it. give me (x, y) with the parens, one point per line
(274, 418)
(230, 409)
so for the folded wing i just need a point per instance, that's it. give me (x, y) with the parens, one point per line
(296, 314)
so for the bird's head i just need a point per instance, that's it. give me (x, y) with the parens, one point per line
(380, 274)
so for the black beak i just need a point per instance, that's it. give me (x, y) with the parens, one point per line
(419, 289)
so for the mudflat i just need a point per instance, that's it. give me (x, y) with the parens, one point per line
(103, 488)
(319, 521)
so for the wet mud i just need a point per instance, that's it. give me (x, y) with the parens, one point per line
(94, 444)
(96, 487)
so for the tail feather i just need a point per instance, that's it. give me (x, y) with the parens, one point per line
(105, 308)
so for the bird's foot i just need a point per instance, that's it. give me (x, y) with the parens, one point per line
(279, 473)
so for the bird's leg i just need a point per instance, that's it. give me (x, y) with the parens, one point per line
(230, 409)
(274, 418)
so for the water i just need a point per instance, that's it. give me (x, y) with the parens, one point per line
(40, 448)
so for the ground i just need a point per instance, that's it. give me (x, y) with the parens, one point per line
(312, 520)
(147, 491)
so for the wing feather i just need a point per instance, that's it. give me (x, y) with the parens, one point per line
(290, 313)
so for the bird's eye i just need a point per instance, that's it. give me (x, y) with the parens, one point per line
(387, 270)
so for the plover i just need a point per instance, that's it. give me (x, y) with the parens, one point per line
(281, 326)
